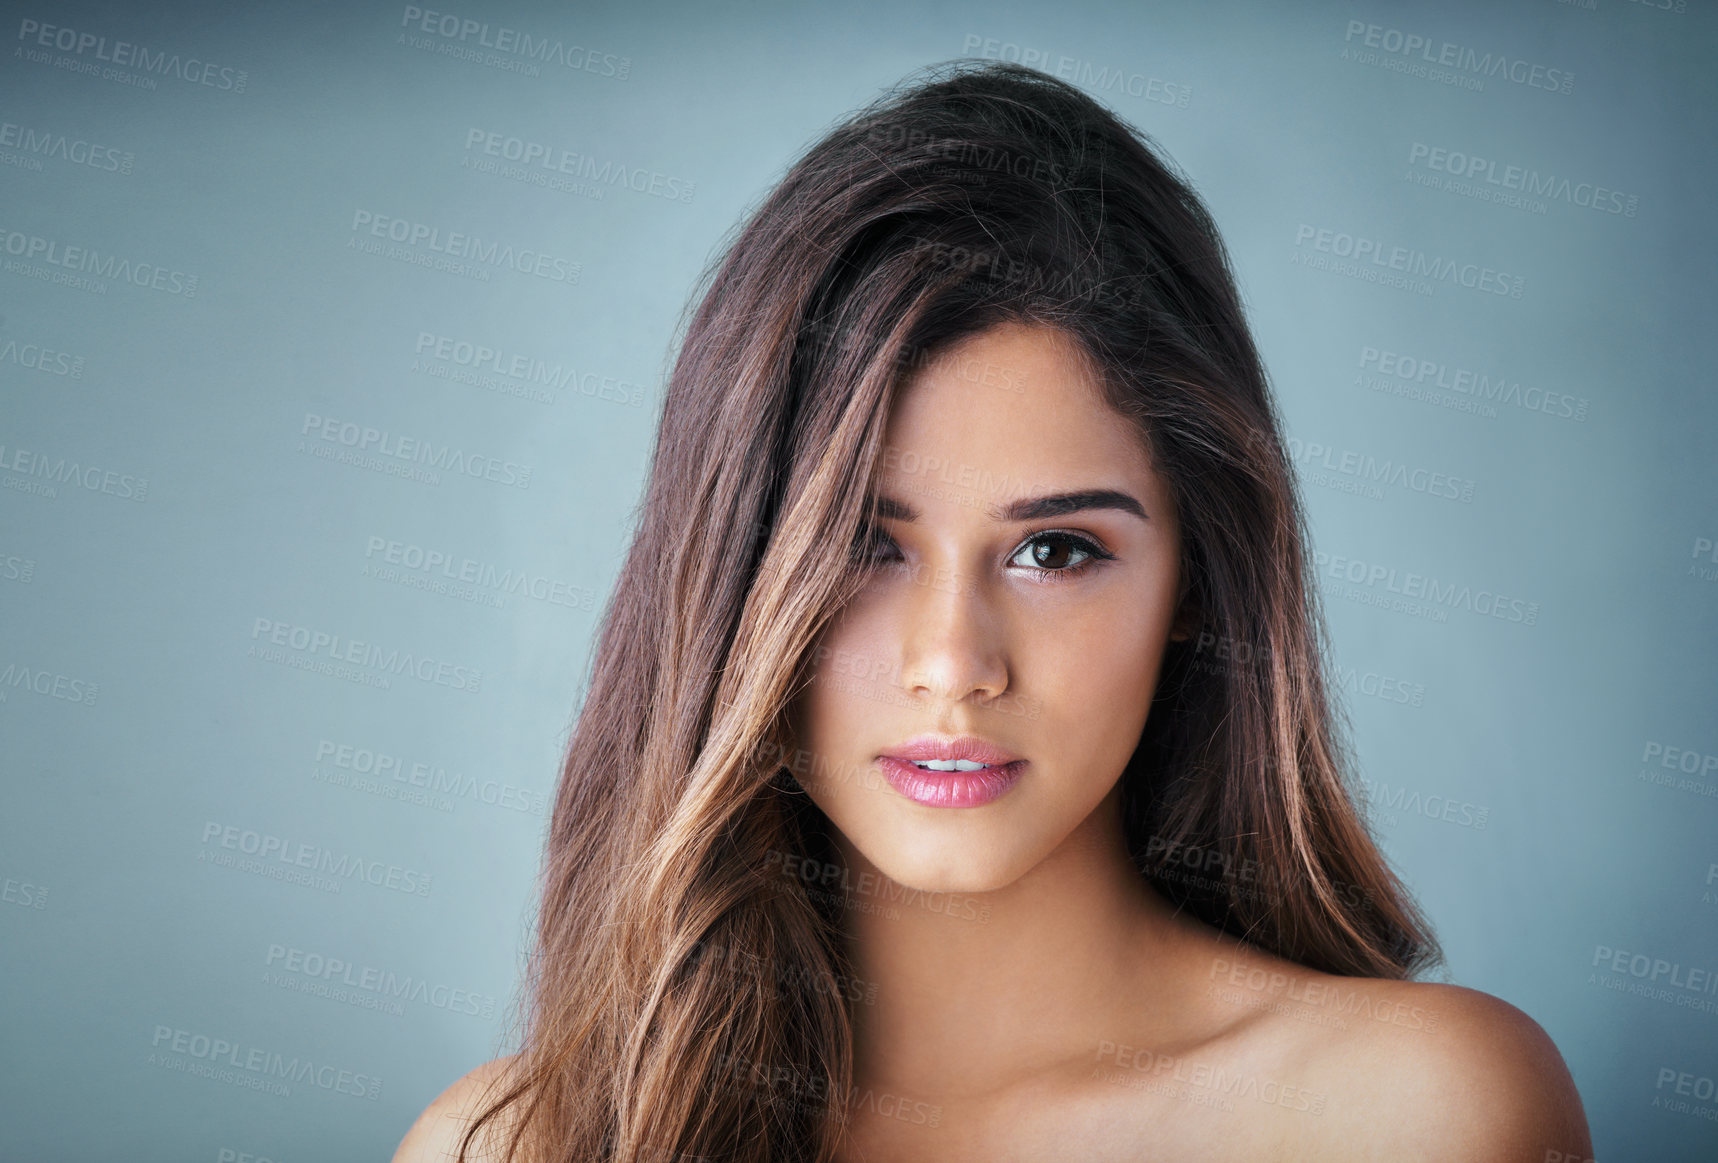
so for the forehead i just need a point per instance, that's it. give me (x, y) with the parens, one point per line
(1014, 403)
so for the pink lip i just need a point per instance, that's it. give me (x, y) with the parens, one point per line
(950, 789)
(968, 747)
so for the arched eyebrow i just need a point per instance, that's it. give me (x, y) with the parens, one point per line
(1027, 508)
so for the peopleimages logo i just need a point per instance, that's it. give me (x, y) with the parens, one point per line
(124, 55)
(349, 761)
(458, 31)
(532, 156)
(1388, 799)
(368, 663)
(288, 859)
(39, 472)
(33, 248)
(50, 683)
(272, 1067)
(17, 569)
(47, 360)
(1404, 261)
(369, 446)
(1434, 373)
(480, 359)
(1694, 979)
(1522, 180)
(1443, 60)
(43, 143)
(383, 552)
(1425, 589)
(1368, 470)
(341, 980)
(463, 248)
(1705, 548)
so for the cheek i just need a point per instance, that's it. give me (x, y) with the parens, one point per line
(1093, 673)
(848, 686)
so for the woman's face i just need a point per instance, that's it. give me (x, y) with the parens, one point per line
(993, 611)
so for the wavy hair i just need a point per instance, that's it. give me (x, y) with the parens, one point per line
(683, 999)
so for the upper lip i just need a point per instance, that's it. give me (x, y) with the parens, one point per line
(968, 747)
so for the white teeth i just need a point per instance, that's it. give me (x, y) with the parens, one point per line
(949, 765)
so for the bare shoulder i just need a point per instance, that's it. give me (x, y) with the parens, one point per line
(1459, 1074)
(436, 1135)
(1402, 1070)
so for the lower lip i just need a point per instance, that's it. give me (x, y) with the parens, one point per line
(949, 789)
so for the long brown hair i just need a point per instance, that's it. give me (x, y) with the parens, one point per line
(972, 194)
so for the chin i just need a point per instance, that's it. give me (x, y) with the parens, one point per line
(952, 868)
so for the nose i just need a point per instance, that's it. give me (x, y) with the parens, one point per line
(953, 641)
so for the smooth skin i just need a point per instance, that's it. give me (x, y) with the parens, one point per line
(1030, 996)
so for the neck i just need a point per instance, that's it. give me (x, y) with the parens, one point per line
(976, 991)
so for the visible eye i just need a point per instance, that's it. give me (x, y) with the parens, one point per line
(872, 546)
(1052, 555)
(1048, 555)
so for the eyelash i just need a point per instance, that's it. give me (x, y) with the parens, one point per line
(874, 539)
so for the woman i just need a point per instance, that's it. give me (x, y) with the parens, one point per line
(958, 778)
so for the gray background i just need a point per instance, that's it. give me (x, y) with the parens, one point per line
(153, 732)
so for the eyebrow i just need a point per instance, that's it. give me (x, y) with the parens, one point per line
(1027, 508)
